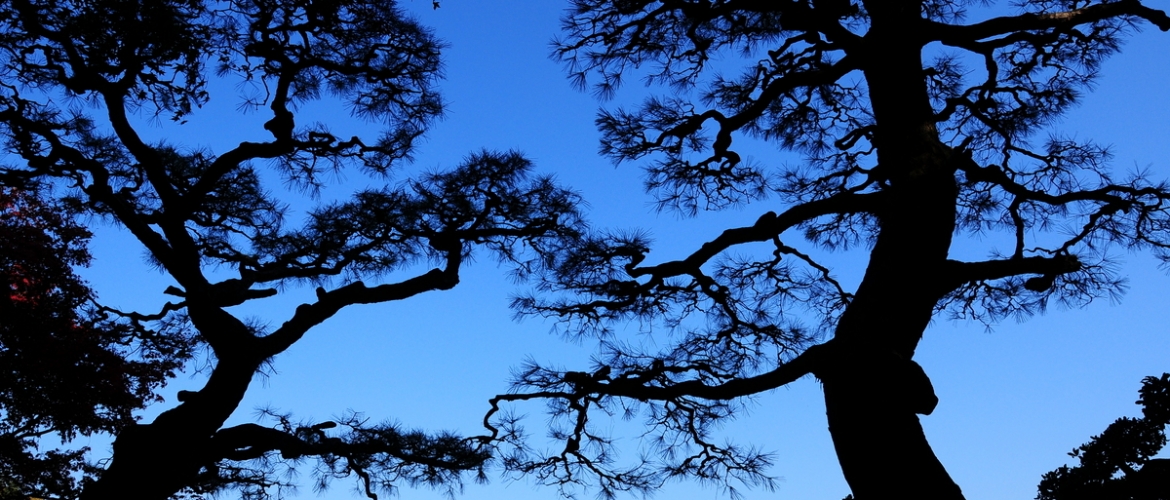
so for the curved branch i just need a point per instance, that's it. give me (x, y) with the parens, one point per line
(1108, 194)
(966, 35)
(634, 385)
(766, 228)
(329, 303)
(786, 83)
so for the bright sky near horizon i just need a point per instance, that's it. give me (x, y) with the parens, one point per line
(1014, 400)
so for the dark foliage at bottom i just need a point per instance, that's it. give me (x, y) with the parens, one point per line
(1116, 464)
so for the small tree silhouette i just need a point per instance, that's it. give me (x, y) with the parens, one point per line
(1117, 464)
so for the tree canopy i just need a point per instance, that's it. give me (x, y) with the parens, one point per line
(919, 126)
(920, 122)
(78, 79)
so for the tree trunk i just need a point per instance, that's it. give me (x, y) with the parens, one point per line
(151, 462)
(873, 389)
(879, 441)
(155, 461)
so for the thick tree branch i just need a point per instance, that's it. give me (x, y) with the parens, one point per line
(231, 160)
(329, 303)
(635, 388)
(959, 273)
(635, 384)
(966, 35)
(766, 228)
(252, 441)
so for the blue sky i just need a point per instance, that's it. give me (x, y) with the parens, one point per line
(1014, 400)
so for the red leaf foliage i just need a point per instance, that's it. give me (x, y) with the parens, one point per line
(65, 368)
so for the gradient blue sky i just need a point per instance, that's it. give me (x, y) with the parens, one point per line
(1014, 400)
